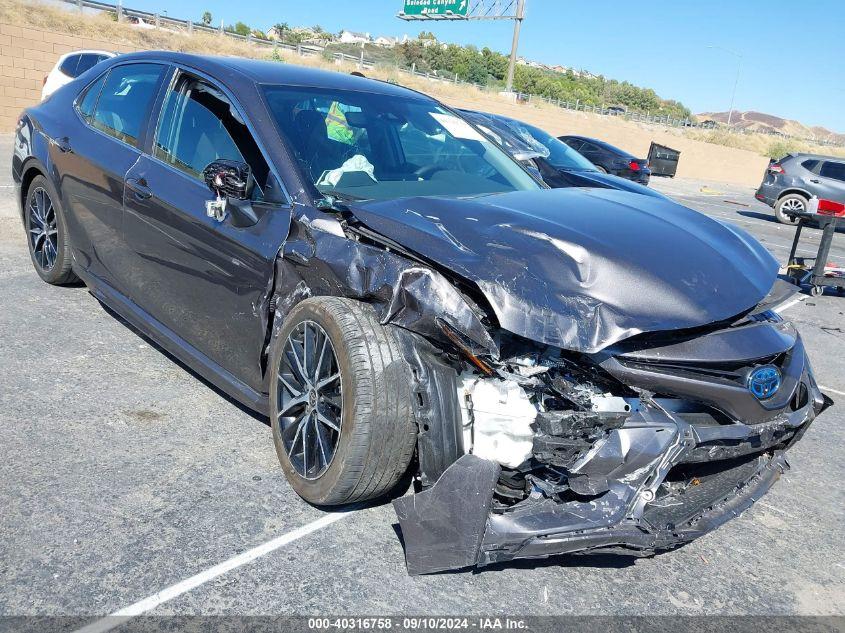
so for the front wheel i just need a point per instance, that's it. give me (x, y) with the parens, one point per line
(787, 208)
(340, 402)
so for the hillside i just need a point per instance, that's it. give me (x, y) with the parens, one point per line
(761, 122)
(33, 35)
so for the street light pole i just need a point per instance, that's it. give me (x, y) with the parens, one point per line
(736, 80)
(517, 24)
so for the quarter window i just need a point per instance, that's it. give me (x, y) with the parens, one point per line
(124, 103)
(199, 125)
(810, 165)
(89, 99)
(833, 170)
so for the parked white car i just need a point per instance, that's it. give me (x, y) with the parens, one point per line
(69, 67)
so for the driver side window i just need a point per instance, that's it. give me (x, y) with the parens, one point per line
(199, 125)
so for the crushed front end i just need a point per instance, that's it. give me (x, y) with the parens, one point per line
(638, 448)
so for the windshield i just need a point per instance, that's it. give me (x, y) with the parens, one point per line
(560, 155)
(373, 146)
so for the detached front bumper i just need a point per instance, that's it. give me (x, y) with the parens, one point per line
(655, 483)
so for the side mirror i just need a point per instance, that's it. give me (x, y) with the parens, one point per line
(228, 179)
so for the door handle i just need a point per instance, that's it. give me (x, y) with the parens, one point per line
(139, 188)
(63, 144)
(815, 180)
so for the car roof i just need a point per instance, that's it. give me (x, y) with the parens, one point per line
(272, 72)
(837, 159)
(600, 143)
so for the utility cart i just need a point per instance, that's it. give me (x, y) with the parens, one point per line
(813, 271)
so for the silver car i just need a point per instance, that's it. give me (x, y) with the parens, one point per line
(790, 182)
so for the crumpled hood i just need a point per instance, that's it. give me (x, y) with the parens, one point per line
(584, 268)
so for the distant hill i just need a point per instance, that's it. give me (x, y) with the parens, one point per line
(769, 123)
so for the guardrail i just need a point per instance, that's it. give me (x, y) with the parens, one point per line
(157, 20)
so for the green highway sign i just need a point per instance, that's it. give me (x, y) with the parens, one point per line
(435, 7)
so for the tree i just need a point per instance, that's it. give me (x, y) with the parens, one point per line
(281, 27)
(242, 29)
(206, 18)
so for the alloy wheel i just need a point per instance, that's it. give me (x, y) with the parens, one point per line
(308, 393)
(793, 205)
(43, 230)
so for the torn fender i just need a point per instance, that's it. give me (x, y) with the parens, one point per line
(318, 262)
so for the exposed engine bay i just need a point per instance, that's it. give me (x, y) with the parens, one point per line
(570, 452)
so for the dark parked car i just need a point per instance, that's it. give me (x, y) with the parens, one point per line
(610, 159)
(790, 182)
(557, 164)
(559, 370)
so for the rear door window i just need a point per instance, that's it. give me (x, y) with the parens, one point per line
(124, 104)
(199, 125)
(574, 143)
(833, 170)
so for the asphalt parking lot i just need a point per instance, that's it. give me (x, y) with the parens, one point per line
(123, 474)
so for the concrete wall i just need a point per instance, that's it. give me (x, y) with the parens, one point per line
(26, 56)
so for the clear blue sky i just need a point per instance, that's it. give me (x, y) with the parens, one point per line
(793, 62)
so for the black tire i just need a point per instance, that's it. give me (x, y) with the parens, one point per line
(601, 169)
(377, 433)
(793, 201)
(49, 249)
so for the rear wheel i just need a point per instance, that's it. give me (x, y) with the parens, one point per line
(601, 169)
(49, 247)
(340, 402)
(788, 206)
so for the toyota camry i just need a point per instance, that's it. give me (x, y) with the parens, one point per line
(550, 370)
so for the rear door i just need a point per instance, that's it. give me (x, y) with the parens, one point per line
(99, 147)
(830, 183)
(204, 279)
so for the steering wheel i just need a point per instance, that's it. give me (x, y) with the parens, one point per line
(427, 171)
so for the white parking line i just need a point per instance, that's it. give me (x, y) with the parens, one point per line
(148, 604)
(786, 306)
(836, 391)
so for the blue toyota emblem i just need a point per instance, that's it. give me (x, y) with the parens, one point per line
(764, 382)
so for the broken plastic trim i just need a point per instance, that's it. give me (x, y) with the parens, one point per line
(621, 473)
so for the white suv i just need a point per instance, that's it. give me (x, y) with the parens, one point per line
(69, 67)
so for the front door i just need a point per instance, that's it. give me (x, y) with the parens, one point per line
(204, 279)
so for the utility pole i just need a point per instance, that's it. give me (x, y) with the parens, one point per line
(517, 24)
(736, 80)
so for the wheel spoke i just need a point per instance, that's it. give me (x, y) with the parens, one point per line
(329, 423)
(34, 215)
(293, 350)
(320, 359)
(333, 400)
(328, 381)
(305, 445)
(293, 390)
(299, 400)
(298, 423)
(319, 431)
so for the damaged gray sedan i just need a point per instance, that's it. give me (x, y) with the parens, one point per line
(557, 370)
